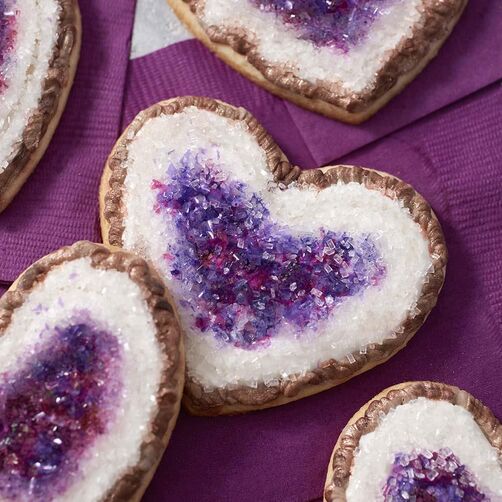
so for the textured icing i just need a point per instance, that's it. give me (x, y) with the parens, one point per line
(442, 433)
(243, 274)
(25, 67)
(54, 407)
(367, 317)
(334, 23)
(117, 306)
(280, 44)
(438, 476)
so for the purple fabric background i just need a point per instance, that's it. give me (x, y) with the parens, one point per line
(450, 153)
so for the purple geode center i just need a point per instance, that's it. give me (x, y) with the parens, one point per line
(243, 273)
(8, 33)
(335, 23)
(426, 476)
(53, 409)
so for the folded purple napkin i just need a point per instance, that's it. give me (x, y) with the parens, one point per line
(281, 455)
(58, 204)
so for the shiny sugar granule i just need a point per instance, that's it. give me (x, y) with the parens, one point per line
(426, 476)
(53, 409)
(338, 23)
(243, 273)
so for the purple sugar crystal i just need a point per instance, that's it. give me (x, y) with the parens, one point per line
(243, 273)
(334, 23)
(8, 21)
(425, 476)
(53, 409)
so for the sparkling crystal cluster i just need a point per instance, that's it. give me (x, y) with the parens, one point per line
(8, 16)
(426, 476)
(338, 23)
(54, 407)
(243, 273)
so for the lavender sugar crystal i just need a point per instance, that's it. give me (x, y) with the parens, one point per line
(426, 476)
(54, 408)
(244, 274)
(338, 23)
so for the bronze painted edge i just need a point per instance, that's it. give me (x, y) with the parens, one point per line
(328, 98)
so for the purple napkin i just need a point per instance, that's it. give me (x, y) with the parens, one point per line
(281, 455)
(58, 204)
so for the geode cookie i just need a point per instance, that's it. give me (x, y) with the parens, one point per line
(286, 282)
(418, 441)
(39, 50)
(342, 58)
(91, 377)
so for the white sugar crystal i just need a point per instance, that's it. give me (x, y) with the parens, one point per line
(279, 44)
(423, 424)
(364, 319)
(124, 313)
(25, 69)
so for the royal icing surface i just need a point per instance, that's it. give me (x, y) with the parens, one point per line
(78, 385)
(8, 32)
(268, 282)
(244, 274)
(438, 476)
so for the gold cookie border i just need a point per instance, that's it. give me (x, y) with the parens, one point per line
(133, 482)
(330, 372)
(367, 419)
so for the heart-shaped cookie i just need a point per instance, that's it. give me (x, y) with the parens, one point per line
(342, 58)
(91, 377)
(286, 282)
(419, 441)
(39, 50)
